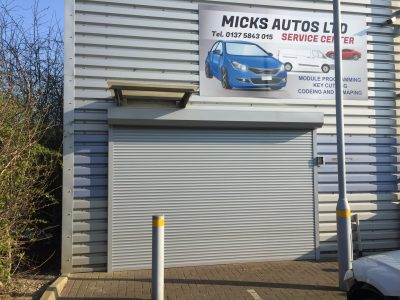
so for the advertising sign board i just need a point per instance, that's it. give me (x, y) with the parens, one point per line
(279, 54)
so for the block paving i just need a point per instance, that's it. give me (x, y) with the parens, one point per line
(253, 281)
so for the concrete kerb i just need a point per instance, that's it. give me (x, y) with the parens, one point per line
(53, 292)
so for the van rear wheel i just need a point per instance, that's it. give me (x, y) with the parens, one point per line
(325, 68)
(288, 67)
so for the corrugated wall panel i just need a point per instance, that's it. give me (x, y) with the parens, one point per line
(226, 194)
(132, 39)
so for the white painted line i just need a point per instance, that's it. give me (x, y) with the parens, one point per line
(254, 294)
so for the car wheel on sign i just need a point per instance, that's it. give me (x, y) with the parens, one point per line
(325, 68)
(208, 71)
(288, 67)
(356, 57)
(225, 79)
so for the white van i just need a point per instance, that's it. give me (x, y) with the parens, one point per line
(305, 61)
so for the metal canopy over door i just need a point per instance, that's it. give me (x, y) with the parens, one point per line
(228, 195)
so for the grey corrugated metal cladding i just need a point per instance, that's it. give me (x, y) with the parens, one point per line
(157, 40)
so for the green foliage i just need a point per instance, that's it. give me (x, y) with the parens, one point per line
(26, 171)
(31, 118)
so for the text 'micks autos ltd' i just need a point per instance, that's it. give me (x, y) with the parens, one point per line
(278, 54)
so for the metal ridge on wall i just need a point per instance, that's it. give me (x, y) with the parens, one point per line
(158, 41)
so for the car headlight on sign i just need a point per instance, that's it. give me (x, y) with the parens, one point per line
(282, 68)
(239, 66)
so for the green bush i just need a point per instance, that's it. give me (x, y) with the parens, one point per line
(26, 170)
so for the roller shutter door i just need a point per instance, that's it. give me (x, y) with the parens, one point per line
(228, 195)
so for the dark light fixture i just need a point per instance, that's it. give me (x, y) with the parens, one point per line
(394, 17)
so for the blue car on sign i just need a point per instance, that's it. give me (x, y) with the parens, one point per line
(244, 65)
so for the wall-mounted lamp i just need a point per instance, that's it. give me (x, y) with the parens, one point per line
(393, 19)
